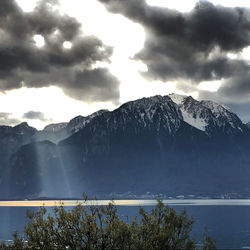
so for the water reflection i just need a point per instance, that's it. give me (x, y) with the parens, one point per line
(210, 202)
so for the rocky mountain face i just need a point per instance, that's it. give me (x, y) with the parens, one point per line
(173, 145)
(12, 138)
(209, 116)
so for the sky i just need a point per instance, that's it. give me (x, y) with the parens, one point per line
(60, 58)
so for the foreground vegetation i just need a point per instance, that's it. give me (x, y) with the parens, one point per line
(99, 227)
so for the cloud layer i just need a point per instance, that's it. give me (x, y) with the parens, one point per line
(23, 63)
(189, 45)
(8, 119)
(192, 46)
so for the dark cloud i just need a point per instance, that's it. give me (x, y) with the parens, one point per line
(189, 45)
(35, 115)
(235, 89)
(23, 63)
(94, 84)
(7, 118)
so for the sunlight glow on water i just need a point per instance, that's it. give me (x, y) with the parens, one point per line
(49, 203)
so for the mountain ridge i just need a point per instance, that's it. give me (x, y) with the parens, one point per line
(182, 101)
(147, 145)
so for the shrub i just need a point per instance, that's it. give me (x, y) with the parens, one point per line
(99, 227)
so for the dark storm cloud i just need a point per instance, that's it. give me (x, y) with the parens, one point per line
(23, 63)
(238, 86)
(35, 115)
(189, 45)
(94, 84)
(7, 119)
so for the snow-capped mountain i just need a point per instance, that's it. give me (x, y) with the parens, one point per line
(163, 144)
(208, 116)
(162, 113)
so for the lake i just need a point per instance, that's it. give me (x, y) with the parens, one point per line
(227, 221)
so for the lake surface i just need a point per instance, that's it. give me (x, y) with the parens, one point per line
(227, 221)
(172, 202)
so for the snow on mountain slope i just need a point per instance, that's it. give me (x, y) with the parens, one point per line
(191, 113)
(178, 99)
(198, 123)
(208, 116)
(225, 118)
(161, 113)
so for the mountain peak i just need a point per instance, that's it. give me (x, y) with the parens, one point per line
(146, 102)
(158, 113)
(22, 125)
(216, 107)
(24, 128)
(208, 116)
(176, 98)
